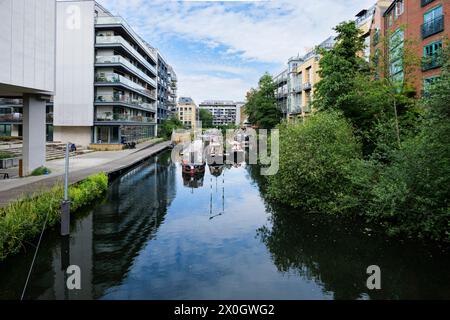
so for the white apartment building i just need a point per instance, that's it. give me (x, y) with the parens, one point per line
(106, 81)
(27, 70)
(224, 112)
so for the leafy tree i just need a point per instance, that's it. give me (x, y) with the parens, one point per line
(206, 118)
(338, 69)
(313, 161)
(167, 126)
(412, 195)
(261, 104)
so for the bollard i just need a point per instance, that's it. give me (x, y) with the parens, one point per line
(65, 205)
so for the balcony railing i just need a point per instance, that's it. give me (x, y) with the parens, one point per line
(11, 117)
(115, 78)
(18, 117)
(125, 99)
(307, 86)
(433, 26)
(6, 101)
(121, 21)
(128, 46)
(112, 117)
(432, 62)
(425, 2)
(125, 62)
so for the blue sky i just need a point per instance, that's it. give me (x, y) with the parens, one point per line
(219, 49)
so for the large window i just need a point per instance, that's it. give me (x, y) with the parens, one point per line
(432, 14)
(432, 49)
(396, 56)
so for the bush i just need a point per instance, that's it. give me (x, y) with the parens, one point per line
(22, 220)
(41, 171)
(315, 158)
(6, 155)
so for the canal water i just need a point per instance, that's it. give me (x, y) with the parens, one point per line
(160, 235)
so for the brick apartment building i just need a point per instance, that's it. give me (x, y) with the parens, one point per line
(422, 27)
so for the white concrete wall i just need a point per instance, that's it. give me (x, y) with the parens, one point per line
(78, 135)
(33, 149)
(73, 102)
(27, 44)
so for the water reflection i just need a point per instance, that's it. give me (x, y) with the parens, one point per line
(336, 253)
(154, 236)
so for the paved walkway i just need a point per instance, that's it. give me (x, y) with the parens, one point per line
(80, 167)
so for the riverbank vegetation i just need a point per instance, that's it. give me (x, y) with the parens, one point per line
(371, 149)
(167, 126)
(21, 221)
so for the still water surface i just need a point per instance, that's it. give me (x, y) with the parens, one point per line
(159, 235)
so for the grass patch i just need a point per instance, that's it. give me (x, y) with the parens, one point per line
(41, 171)
(22, 220)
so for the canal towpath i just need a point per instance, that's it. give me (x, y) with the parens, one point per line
(80, 168)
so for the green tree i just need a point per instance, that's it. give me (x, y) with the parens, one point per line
(313, 161)
(167, 126)
(261, 104)
(206, 118)
(339, 68)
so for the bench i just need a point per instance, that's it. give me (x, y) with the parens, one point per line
(5, 175)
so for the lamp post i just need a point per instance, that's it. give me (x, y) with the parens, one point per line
(65, 206)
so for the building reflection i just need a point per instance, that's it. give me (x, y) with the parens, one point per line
(104, 240)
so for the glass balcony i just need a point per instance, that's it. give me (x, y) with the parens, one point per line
(115, 78)
(128, 64)
(119, 117)
(432, 62)
(119, 40)
(307, 86)
(124, 99)
(433, 26)
(17, 117)
(11, 117)
(121, 21)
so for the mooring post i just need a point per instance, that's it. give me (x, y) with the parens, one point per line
(65, 206)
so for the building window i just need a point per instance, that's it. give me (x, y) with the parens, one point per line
(390, 20)
(432, 14)
(428, 83)
(399, 8)
(432, 56)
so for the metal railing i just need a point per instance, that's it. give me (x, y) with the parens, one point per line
(112, 117)
(307, 86)
(128, 64)
(127, 45)
(105, 98)
(116, 78)
(432, 62)
(433, 26)
(121, 21)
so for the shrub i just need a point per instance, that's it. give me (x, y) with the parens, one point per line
(6, 155)
(22, 220)
(41, 171)
(314, 164)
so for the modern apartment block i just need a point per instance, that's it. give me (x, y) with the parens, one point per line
(295, 85)
(165, 99)
(173, 88)
(27, 73)
(107, 78)
(187, 112)
(223, 112)
(281, 91)
(418, 28)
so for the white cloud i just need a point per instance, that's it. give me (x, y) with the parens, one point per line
(203, 86)
(258, 31)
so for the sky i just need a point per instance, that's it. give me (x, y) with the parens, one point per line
(220, 49)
